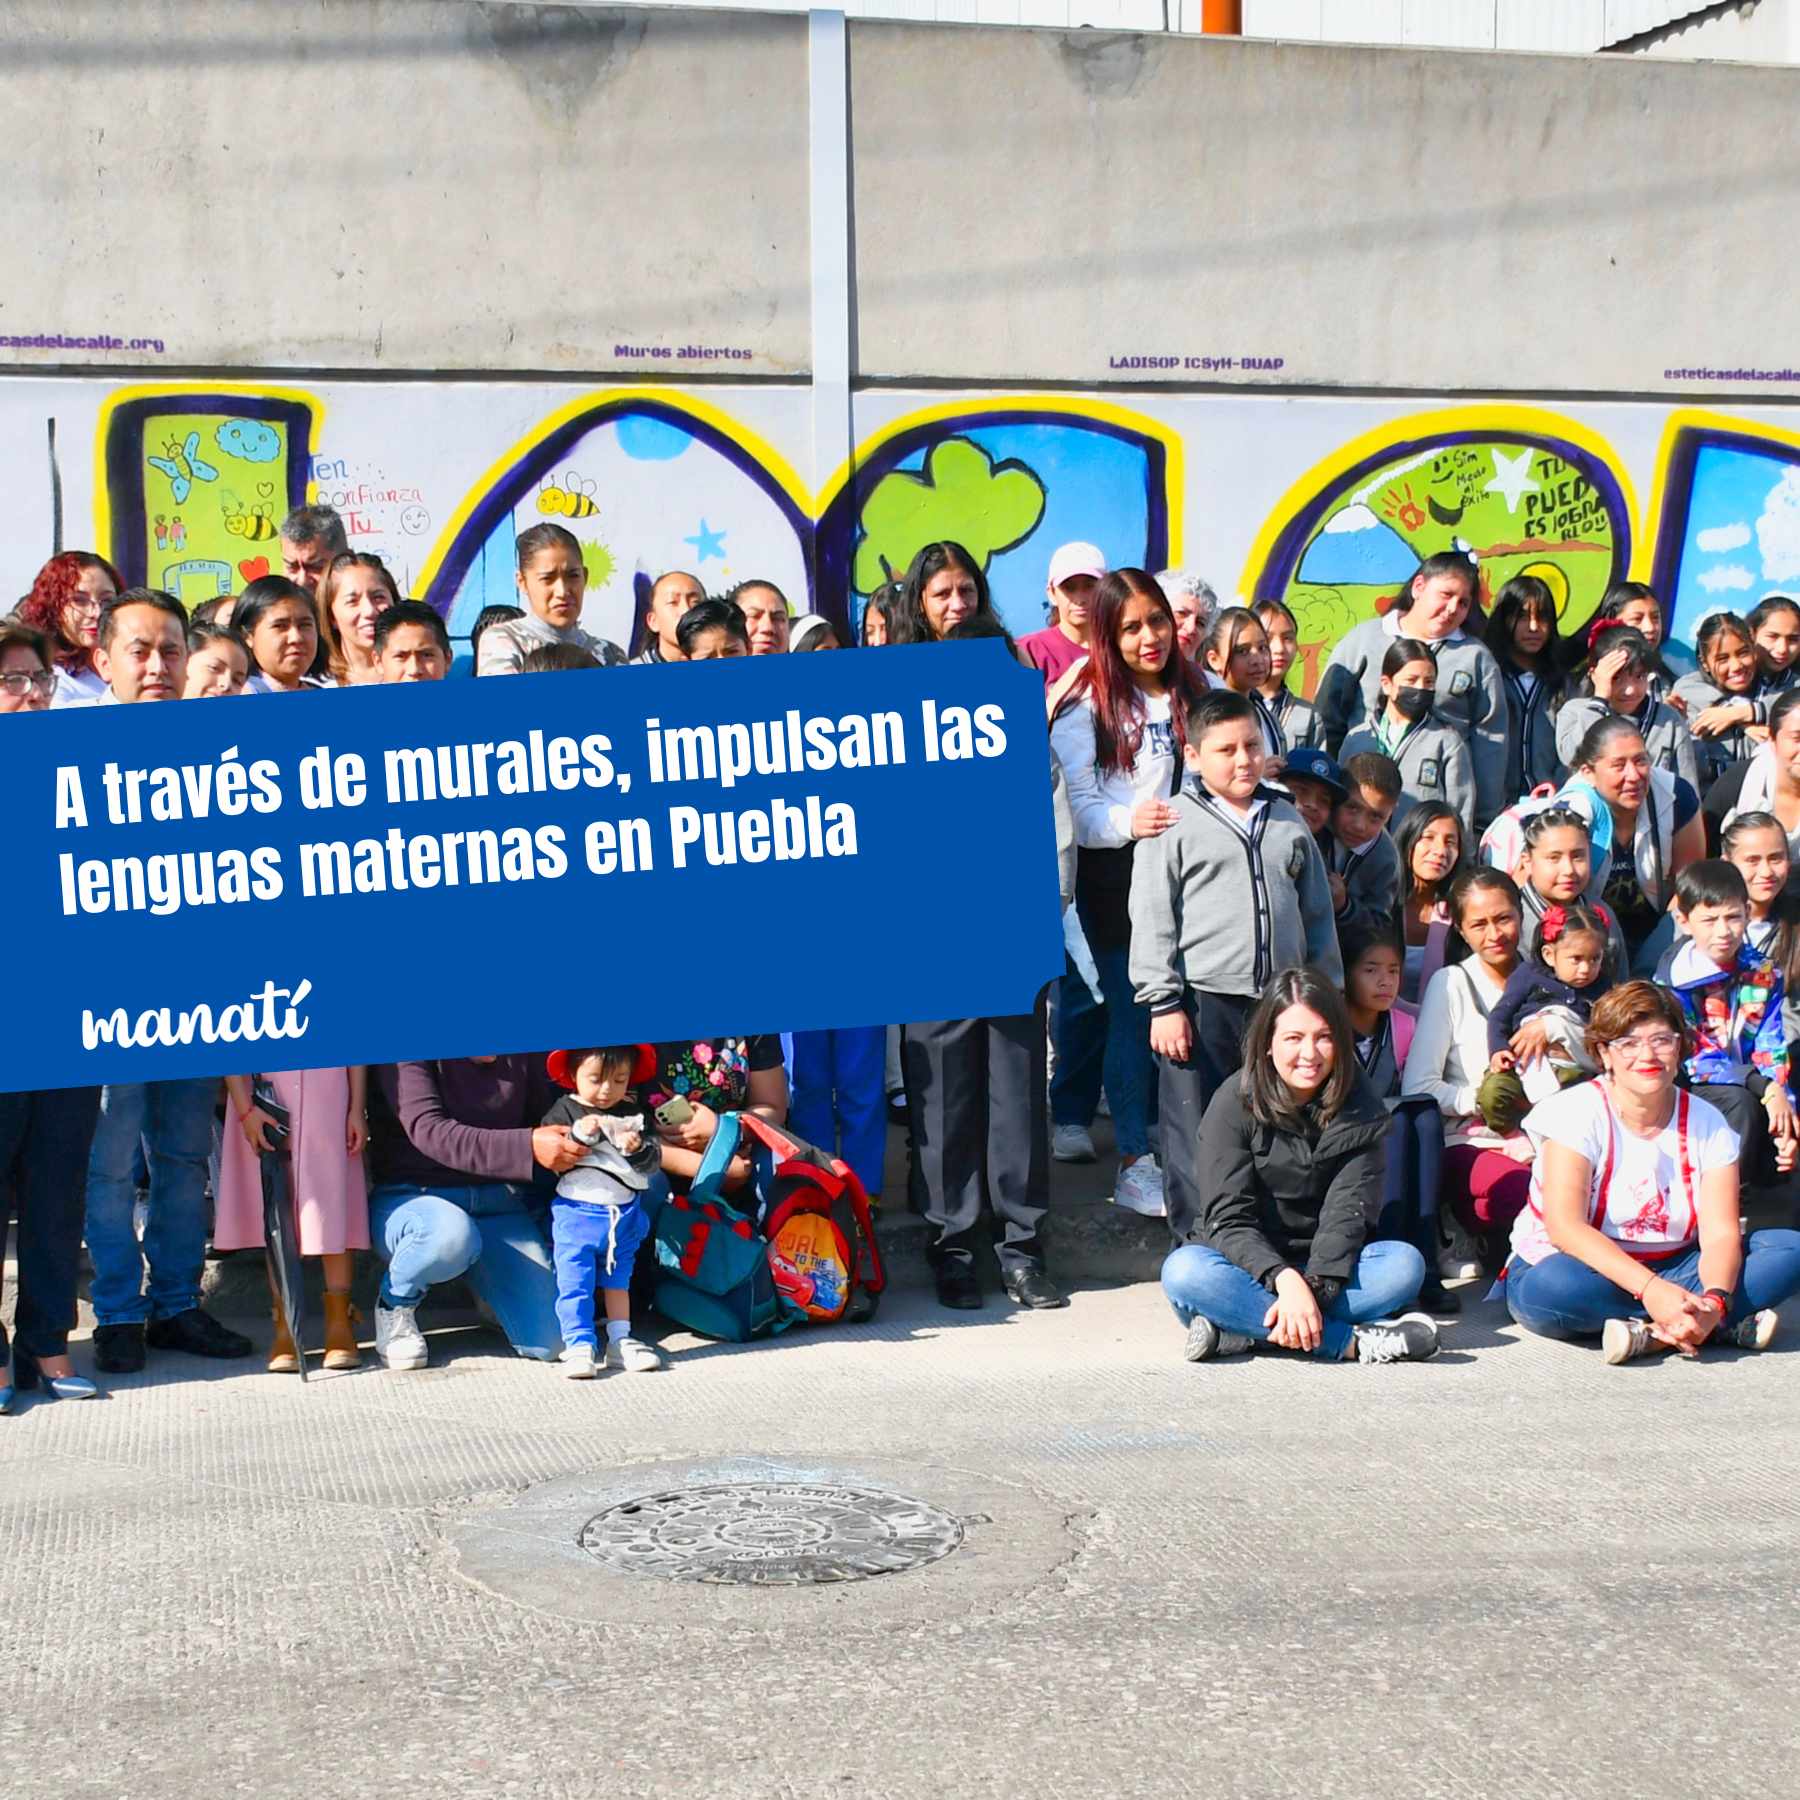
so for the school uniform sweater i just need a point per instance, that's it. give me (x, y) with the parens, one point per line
(1371, 878)
(1220, 902)
(1297, 718)
(1470, 697)
(1664, 731)
(504, 646)
(1434, 763)
(1714, 755)
(1531, 757)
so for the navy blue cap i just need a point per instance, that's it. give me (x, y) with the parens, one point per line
(1315, 765)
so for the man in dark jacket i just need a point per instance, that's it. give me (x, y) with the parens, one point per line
(454, 1148)
(1285, 1212)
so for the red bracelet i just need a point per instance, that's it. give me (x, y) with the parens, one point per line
(1721, 1297)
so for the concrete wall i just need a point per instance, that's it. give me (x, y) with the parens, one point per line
(404, 184)
(432, 185)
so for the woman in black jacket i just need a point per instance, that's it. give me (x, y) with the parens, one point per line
(1292, 1155)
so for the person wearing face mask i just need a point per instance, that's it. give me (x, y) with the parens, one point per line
(1471, 696)
(1432, 756)
(1076, 571)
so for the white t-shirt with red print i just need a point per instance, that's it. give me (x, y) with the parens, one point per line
(1643, 1193)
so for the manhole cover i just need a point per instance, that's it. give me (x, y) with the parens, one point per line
(771, 1534)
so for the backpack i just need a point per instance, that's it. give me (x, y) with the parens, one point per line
(712, 1264)
(814, 1214)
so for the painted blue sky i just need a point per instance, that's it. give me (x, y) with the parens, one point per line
(1743, 533)
(1096, 488)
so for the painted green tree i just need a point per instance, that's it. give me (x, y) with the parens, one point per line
(961, 493)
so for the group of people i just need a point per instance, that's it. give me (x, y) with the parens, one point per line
(1481, 959)
(1364, 979)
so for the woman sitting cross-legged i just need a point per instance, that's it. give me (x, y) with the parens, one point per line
(1632, 1235)
(1292, 1154)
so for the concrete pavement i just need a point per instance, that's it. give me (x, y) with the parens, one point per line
(1510, 1571)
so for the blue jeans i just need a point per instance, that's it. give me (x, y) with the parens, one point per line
(583, 1239)
(173, 1120)
(1561, 1297)
(430, 1235)
(840, 1097)
(1130, 1076)
(1080, 1051)
(1200, 1282)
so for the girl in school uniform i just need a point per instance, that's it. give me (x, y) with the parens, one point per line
(1432, 755)
(1236, 654)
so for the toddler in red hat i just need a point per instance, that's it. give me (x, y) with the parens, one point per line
(598, 1219)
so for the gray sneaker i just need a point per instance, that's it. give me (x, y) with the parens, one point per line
(1754, 1333)
(1206, 1341)
(1413, 1337)
(398, 1340)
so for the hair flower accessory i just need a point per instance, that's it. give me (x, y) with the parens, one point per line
(1555, 918)
(1600, 628)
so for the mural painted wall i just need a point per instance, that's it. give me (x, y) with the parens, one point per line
(1328, 503)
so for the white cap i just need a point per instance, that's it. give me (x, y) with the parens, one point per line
(1076, 559)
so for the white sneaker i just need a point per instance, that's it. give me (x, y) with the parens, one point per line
(398, 1340)
(578, 1362)
(633, 1355)
(1622, 1340)
(1070, 1143)
(1139, 1189)
(1103, 1106)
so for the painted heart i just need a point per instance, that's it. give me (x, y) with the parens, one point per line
(254, 568)
(264, 489)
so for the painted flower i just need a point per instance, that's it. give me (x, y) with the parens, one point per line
(703, 1053)
(682, 1084)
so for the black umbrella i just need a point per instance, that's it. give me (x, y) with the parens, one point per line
(280, 1236)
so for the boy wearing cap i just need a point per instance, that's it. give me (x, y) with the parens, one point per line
(1076, 570)
(1361, 862)
(598, 1219)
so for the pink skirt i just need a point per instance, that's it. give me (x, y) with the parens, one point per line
(331, 1202)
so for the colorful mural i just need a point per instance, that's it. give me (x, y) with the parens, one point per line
(1728, 516)
(1524, 492)
(1010, 480)
(189, 483)
(194, 484)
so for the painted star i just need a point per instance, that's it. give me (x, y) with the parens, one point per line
(1512, 478)
(707, 543)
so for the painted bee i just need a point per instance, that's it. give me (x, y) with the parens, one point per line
(573, 500)
(255, 523)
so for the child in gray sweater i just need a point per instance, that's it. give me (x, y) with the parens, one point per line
(1232, 892)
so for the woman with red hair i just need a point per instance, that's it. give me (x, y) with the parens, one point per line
(1119, 735)
(64, 604)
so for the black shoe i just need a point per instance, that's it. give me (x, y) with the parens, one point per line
(119, 1349)
(1032, 1287)
(199, 1334)
(957, 1287)
(1439, 1301)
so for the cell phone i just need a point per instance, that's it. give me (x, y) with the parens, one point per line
(676, 1111)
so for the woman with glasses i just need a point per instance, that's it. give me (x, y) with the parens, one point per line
(1631, 1233)
(64, 604)
(44, 1139)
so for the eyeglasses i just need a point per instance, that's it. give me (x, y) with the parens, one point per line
(84, 603)
(1658, 1043)
(19, 682)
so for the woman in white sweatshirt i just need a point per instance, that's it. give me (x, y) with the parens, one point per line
(1486, 1177)
(1118, 739)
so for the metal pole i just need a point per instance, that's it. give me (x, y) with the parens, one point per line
(829, 129)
